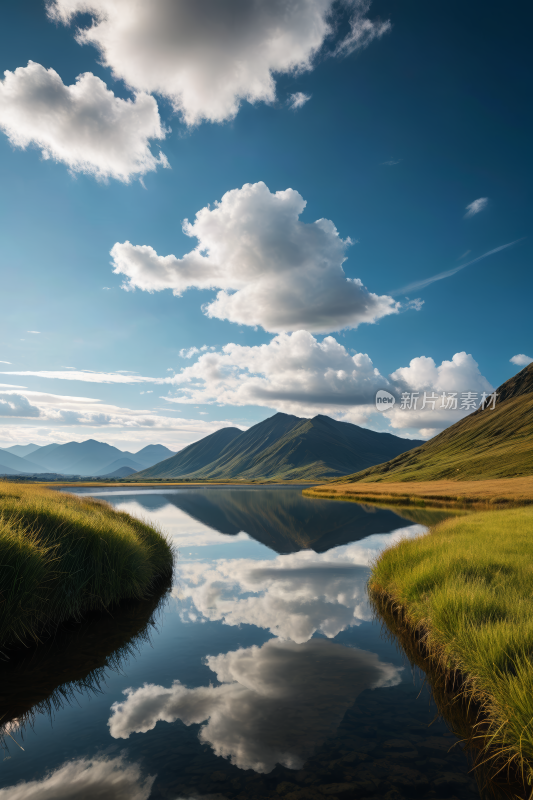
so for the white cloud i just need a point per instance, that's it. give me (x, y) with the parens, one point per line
(298, 99)
(392, 162)
(521, 360)
(121, 425)
(83, 126)
(33, 331)
(294, 373)
(5, 362)
(476, 206)
(275, 704)
(459, 376)
(184, 353)
(417, 285)
(362, 30)
(272, 269)
(16, 405)
(106, 778)
(88, 376)
(208, 56)
(292, 596)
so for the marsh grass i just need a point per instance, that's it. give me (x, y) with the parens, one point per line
(465, 593)
(62, 556)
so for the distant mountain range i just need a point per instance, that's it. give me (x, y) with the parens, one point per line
(282, 447)
(90, 458)
(490, 443)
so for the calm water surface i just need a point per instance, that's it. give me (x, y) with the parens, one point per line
(263, 674)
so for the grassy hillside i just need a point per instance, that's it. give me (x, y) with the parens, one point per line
(62, 556)
(285, 447)
(194, 457)
(487, 444)
(464, 593)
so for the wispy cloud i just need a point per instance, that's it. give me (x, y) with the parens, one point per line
(5, 362)
(33, 331)
(417, 285)
(521, 360)
(465, 254)
(392, 162)
(87, 376)
(477, 206)
(298, 99)
(189, 353)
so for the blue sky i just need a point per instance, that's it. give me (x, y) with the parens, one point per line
(399, 136)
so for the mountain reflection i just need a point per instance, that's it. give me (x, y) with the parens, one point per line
(292, 596)
(282, 519)
(40, 679)
(275, 704)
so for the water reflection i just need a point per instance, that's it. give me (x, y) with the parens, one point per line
(292, 596)
(86, 779)
(41, 679)
(281, 519)
(275, 704)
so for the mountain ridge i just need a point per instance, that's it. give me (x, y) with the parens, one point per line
(281, 447)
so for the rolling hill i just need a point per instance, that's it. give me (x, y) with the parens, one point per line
(282, 447)
(487, 444)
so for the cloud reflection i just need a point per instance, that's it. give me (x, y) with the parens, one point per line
(86, 779)
(293, 596)
(275, 704)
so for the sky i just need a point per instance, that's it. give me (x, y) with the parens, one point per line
(213, 210)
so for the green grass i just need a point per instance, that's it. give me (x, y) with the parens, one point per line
(62, 556)
(487, 444)
(465, 592)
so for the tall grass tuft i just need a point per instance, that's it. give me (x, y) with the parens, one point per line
(62, 556)
(465, 591)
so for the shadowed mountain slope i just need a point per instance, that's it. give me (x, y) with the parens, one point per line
(487, 444)
(283, 447)
(9, 461)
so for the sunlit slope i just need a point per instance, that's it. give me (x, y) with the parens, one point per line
(285, 447)
(193, 457)
(487, 444)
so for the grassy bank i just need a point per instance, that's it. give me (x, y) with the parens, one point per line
(464, 592)
(489, 493)
(62, 556)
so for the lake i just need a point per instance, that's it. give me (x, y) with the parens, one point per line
(260, 673)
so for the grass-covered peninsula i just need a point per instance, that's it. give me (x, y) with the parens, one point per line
(465, 593)
(62, 556)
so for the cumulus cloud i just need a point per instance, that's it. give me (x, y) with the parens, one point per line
(16, 405)
(271, 269)
(298, 99)
(294, 373)
(275, 704)
(422, 377)
(105, 778)
(206, 56)
(83, 126)
(292, 596)
(476, 206)
(521, 360)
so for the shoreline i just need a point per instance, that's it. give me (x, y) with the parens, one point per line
(458, 601)
(491, 493)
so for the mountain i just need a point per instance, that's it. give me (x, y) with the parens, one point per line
(22, 450)
(121, 472)
(194, 457)
(120, 463)
(92, 458)
(18, 464)
(152, 454)
(282, 447)
(9, 471)
(487, 444)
